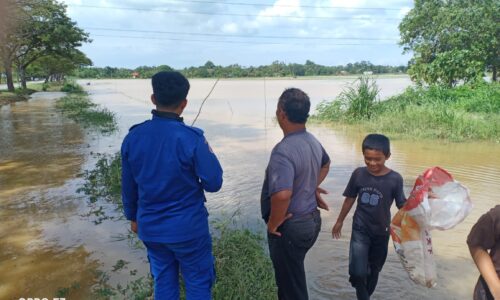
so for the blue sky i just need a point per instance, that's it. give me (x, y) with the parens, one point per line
(181, 33)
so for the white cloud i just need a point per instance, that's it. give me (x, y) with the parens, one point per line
(230, 27)
(283, 8)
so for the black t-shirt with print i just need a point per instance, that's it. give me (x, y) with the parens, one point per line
(375, 195)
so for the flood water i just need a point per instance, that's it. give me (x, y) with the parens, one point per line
(47, 243)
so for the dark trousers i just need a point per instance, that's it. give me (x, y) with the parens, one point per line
(367, 254)
(287, 252)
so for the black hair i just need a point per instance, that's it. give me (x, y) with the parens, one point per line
(170, 88)
(378, 142)
(296, 104)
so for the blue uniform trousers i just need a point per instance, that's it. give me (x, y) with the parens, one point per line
(196, 263)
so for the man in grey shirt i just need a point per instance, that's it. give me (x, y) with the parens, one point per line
(291, 195)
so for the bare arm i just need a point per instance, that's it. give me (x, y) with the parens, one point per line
(487, 269)
(346, 207)
(323, 172)
(322, 175)
(279, 206)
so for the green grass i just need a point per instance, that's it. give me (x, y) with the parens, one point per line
(244, 270)
(468, 112)
(80, 109)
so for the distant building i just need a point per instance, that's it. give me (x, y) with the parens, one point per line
(367, 73)
(135, 75)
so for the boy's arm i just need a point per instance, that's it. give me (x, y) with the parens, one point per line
(207, 166)
(346, 207)
(487, 269)
(400, 197)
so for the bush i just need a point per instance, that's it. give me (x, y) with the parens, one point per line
(72, 87)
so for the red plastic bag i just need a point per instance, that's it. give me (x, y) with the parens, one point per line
(437, 201)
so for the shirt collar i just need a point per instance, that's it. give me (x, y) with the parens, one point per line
(296, 132)
(166, 115)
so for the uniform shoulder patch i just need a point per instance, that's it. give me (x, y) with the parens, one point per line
(137, 125)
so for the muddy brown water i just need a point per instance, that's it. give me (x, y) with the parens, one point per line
(47, 243)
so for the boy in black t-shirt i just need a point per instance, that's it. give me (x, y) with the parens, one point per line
(375, 187)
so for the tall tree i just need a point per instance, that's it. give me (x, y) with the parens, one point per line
(11, 16)
(57, 67)
(452, 40)
(44, 30)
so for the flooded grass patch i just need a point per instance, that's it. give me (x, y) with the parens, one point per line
(18, 95)
(79, 108)
(462, 113)
(244, 270)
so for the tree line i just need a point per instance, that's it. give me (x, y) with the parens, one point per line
(210, 70)
(38, 38)
(452, 41)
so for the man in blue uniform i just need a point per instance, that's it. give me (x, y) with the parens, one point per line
(166, 167)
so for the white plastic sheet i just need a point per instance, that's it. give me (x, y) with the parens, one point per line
(437, 201)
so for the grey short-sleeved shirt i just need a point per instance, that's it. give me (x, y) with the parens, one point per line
(375, 195)
(294, 165)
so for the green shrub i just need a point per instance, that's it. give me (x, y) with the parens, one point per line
(70, 86)
(354, 103)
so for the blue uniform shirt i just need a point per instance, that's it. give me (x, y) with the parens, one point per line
(166, 165)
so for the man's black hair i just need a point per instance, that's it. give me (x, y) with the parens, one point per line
(295, 103)
(378, 142)
(170, 88)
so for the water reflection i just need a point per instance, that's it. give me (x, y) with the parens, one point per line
(39, 153)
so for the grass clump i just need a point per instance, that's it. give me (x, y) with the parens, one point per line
(79, 108)
(244, 270)
(70, 86)
(467, 112)
(102, 185)
(353, 104)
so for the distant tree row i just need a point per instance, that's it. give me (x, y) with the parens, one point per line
(210, 70)
(37, 38)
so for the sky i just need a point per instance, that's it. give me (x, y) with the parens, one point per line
(183, 33)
